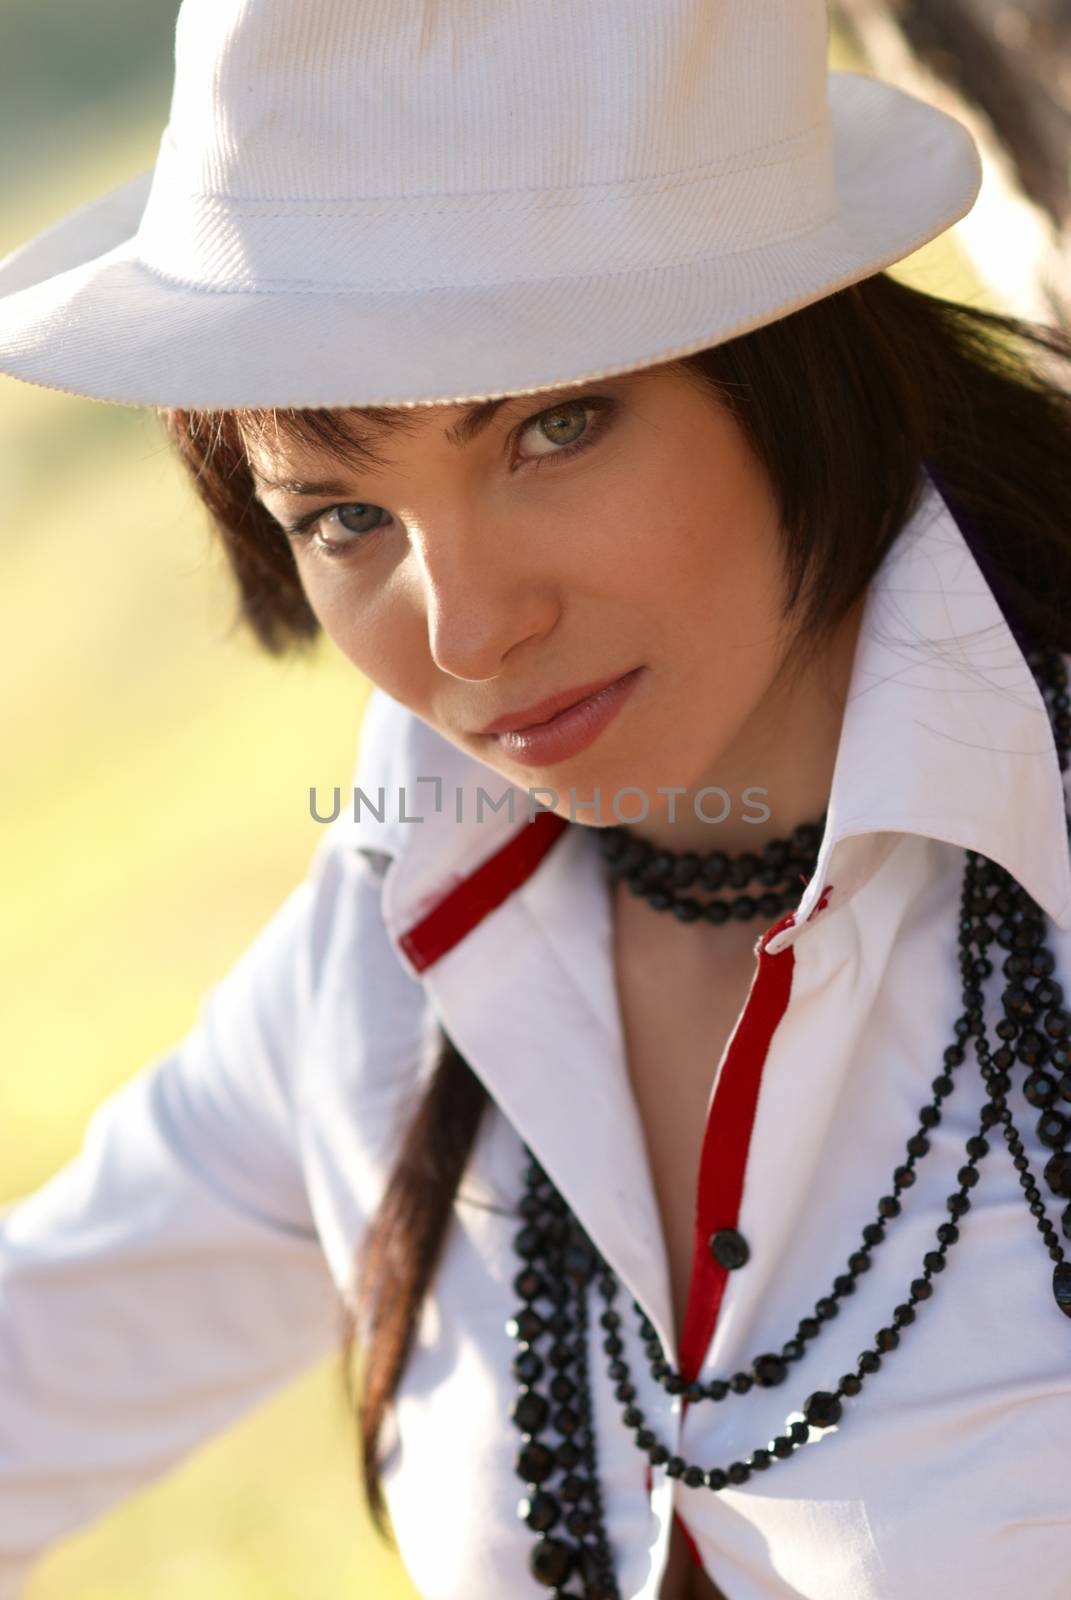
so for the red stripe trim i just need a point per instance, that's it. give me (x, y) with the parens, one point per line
(726, 1141)
(466, 905)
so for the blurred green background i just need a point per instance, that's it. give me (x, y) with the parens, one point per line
(156, 775)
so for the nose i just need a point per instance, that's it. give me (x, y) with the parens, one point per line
(483, 597)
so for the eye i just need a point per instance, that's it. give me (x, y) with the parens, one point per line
(566, 429)
(354, 524)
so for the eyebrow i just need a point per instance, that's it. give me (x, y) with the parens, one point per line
(475, 421)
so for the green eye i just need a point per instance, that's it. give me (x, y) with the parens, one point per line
(574, 419)
(567, 429)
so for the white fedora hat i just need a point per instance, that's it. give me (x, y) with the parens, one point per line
(400, 202)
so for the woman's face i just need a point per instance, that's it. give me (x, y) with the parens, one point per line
(619, 527)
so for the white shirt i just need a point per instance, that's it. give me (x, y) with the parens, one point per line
(189, 1259)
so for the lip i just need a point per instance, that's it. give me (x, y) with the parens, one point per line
(575, 726)
(545, 710)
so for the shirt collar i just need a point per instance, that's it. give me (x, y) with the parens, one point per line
(944, 734)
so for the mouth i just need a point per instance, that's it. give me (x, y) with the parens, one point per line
(544, 711)
(570, 730)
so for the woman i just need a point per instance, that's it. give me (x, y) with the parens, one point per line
(652, 507)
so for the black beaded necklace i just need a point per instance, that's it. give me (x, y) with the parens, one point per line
(557, 1460)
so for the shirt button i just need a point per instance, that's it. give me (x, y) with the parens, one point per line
(729, 1248)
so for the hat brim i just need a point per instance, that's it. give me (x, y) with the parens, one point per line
(81, 314)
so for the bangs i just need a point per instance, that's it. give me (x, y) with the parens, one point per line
(351, 435)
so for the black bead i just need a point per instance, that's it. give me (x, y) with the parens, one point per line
(739, 1472)
(530, 1412)
(822, 1409)
(579, 1522)
(551, 1562)
(685, 870)
(768, 1371)
(693, 1477)
(716, 1478)
(578, 1262)
(526, 1326)
(714, 870)
(759, 1460)
(527, 1367)
(850, 1384)
(1061, 1286)
(1058, 1173)
(530, 1242)
(535, 1463)
(729, 1248)
(540, 1510)
(529, 1284)
(1058, 1024)
(1054, 1129)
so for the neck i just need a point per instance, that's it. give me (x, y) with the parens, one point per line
(781, 761)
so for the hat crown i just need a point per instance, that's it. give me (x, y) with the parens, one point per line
(338, 100)
(417, 202)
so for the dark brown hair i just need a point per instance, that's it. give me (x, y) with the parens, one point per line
(844, 402)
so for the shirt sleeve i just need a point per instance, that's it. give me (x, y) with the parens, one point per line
(170, 1276)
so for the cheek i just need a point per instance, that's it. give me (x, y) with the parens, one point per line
(698, 545)
(370, 625)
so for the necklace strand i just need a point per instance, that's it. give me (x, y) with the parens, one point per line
(564, 1502)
